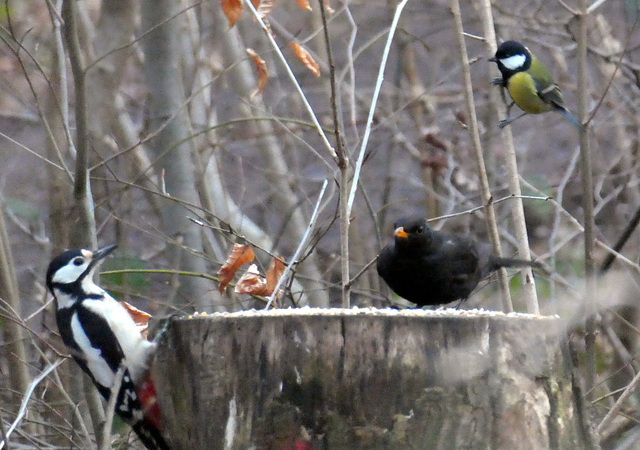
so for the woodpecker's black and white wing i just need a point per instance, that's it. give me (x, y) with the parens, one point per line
(93, 345)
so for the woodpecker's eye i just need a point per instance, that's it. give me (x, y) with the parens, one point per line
(78, 261)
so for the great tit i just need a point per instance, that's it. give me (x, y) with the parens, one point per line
(529, 83)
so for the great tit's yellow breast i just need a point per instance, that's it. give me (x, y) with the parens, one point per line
(523, 91)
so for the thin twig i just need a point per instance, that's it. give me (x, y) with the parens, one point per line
(587, 196)
(27, 396)
(622, 240)
(374, 101)
(303, 241)
(343, 166)
(111, 409)
(495, 202)
(615, 409)
(511, 162)
(363, 270)
(487, 199)
(276, 49)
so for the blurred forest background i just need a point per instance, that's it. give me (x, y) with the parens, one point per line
(187, 156)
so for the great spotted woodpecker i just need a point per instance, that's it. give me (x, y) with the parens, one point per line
(105, 341)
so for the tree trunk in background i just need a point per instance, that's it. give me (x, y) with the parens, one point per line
(374, 379)
(172, 147)
(14, 336)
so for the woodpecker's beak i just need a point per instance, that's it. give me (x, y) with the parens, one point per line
(400, 233)
(101, 253)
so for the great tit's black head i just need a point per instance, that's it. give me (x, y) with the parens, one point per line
(512, 57)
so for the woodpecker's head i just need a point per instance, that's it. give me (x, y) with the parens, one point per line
(71, 272)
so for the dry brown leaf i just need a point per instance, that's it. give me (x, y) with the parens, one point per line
(274, 274)
(261, 68)
(306, 58)
(241, 254)
(328, 7)
(263, 7)
(232, 9)
(252, 282)
(140, 317)
(304, 4)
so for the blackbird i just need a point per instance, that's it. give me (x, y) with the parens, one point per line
(427, 267)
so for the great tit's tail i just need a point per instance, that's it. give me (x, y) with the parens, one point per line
(573, 119)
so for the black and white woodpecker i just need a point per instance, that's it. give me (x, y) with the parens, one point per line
(104, 340)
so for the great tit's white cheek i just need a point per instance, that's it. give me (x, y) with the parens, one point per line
(514, 62)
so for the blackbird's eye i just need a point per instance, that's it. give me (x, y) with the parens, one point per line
(78, 261)
(420, 230)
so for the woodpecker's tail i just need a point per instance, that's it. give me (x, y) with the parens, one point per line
(150, 436)
(138, 406)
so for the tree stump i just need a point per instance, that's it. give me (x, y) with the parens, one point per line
(366, 379)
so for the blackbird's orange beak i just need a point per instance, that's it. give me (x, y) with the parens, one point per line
(400, 233)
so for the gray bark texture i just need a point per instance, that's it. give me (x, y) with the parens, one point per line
(366, 378)
(172, 146)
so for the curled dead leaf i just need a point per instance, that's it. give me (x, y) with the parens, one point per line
(241, 254)
(305, 58)
(251, 282)
(140, 317)
(232, 9)
(304, 4)
(274, 274)
(254, 283)
(261, 68)
(264, 7)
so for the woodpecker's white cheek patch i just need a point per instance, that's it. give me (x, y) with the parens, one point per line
(514, 62)
(96, 364)
(69, 273)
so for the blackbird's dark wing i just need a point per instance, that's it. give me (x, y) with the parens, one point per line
(460, 263)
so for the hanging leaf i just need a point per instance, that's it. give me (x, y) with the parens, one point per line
(232, 9)
(140, 317)
(261, 68)
(304, 4)
(274, 274)
(306, 59)
(241, 254)
(328, 7)
(252, 282)
(263, 7)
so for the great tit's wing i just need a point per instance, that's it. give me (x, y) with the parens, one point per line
(551, 94)
(546, 88)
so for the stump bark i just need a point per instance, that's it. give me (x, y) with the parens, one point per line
(366, 379)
